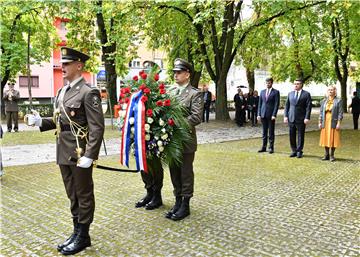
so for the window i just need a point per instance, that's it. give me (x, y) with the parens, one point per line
(134, 64)
(23, 81)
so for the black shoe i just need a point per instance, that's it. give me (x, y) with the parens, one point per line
(262, 150)
(72, 237)
(293, 154)
(271, 151)
(175, 208)
(144, 201)
(184, 210)
(299, 155)
(155, 202)
(332, 158)
(326, 158)
(81, 241)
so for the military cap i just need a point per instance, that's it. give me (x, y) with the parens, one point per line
(182, 65)
(70, 55)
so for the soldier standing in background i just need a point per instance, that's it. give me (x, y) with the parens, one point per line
(79, 121)
(11, 98)
(182, 176)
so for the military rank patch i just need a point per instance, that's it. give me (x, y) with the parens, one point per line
(96, 101)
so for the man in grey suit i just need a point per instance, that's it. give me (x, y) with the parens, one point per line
(297, 115)
(182, 176)
(267, 110)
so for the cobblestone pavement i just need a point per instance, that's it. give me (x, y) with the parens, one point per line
(245, 204)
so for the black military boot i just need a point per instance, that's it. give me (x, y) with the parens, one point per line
(72, 237)
(81, 241)
(184, 210)
(156, 201)
(332, 152)
(175, 208)
(146, 199)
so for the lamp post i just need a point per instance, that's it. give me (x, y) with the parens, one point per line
(28, 69)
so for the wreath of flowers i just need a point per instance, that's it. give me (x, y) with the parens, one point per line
(166, 128)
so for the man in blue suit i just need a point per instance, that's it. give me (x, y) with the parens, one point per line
(297, 115)
(267, 110)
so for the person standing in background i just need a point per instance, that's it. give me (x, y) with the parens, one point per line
(268, 106)
(355, 109)
(11, 98)
(331, 115)
(239, 101)
(297, 115)
(207, 96)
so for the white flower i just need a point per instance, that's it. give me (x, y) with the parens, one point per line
(150, 120)
(124, 106)
(122, 114)
(161, 122)
(132, 130)
(159, 143)
(156, 137)
(147, 127)
(164, 136)
(163, 130)
(131, 120)
(147, 137)
(161, 148)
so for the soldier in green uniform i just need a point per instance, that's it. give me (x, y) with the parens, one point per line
(182, 176)
(79, 121)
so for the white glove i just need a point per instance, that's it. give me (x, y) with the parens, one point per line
(84, 162)
(34, 119)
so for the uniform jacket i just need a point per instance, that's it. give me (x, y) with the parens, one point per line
(336, 112)
(192, 99)
(82, 104)
(355, 105)
(270, 106)
(11, 105)
(298, 110)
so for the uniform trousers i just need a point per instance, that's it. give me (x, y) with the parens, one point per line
(153, 179)
(12, 117)
(79, 188)
(182, 177)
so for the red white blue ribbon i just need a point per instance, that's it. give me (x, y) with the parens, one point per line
(135, 109)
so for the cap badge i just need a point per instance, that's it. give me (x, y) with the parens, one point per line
(177, 63)
(64, 51)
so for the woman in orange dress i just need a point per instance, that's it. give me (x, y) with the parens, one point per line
(331, 114)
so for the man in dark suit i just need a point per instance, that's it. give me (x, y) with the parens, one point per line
(297, 115)
(182, 176)
(355, 109)
(79, 120)
(207, 96)
(267, 110)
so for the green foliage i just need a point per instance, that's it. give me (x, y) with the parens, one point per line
(18, 18)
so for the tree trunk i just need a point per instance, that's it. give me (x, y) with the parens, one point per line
(221, 110)
(195, 78)
(250, 75)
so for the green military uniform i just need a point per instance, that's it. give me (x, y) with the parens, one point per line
(182, 177)
(81, 104)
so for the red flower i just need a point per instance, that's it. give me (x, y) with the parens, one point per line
(142, 87)
(135, 78)
(143, 76)
(161, 86)
(171, 122)
(121, 101)
(147, 90)
(127, 90)
(144, 98)
(156, 77)
(159, 103)
(141, 72)
(149, 112)
(127, 100)
(167, 102)
(162, 91)
(122, 95)
(123, 91)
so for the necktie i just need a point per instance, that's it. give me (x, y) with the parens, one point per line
(296, 95)
(267, 93)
